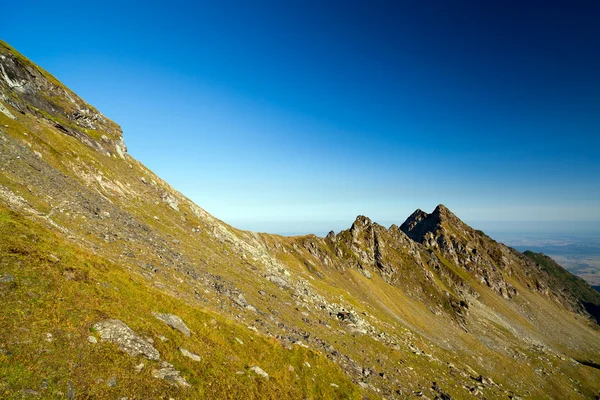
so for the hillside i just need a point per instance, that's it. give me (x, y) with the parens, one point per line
(114, 285)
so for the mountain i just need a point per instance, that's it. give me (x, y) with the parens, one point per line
(115, 285)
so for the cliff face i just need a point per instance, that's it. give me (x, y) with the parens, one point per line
(122, 287)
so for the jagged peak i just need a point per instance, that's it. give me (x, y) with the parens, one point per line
(361, 221)
(443, 212)
(441, 209)
(419, 222)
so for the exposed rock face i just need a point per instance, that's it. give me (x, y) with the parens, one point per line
(445, 233)
(32, 90)
(116, 331)
(174, 322)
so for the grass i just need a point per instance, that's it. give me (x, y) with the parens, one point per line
(66, 298)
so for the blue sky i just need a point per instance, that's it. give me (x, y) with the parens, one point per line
(296, 116)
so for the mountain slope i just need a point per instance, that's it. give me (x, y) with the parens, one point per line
(90, 237)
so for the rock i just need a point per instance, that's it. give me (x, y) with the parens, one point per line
(237, 339)
(259, 371)
(333, 385)
(366, 273)
(6, 112)
(189, 354)
(44, 384)
(139, 367)
(307, 364)
(282, 283)
(53, 258)
(291, 368)
(7, 278)
(169, 373)
(116, 331)
(441, 394)
(49, 337)
(70, 391)
(92, 340)
(170, 200)
(30, 393)
(240, 300)
(112, 381)
(174, 322)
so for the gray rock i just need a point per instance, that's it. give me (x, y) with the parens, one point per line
(6, 112)
(174, 322)
(7, 278)
(170, 200)
(70, 391)
(30, 393)
(189, 354)
(259, 371)
(282, 283)
(240, 300)
(112, 381)
(92, 340)
(366, 273)
(139, 367)
(169, 373)
(115, 331)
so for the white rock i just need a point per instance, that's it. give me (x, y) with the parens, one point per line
(189, 354)
(259, 371)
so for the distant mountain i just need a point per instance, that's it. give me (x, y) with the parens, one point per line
(115, 285)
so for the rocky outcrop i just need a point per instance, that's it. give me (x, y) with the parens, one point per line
(30, 90)
(452, 239)
(117, 332)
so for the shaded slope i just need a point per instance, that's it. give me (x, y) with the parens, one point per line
(563, 280)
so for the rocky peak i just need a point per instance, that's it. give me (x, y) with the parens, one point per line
(420, 223)
(361, 223)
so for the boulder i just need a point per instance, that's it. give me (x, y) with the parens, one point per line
(116, 331)
(174, 322)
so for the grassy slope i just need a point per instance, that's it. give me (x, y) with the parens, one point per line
(65, 298)
(577, 286)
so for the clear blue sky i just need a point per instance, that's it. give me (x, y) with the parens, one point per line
(296, 116)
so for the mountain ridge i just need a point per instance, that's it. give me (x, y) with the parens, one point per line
(368, 311)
